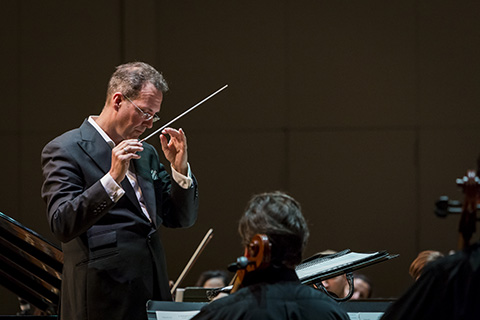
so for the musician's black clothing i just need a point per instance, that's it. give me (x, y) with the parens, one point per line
(448, 288)
(273, 294)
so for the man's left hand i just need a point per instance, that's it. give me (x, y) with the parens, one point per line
(175, 149)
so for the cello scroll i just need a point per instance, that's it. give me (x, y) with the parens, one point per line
(257, 256)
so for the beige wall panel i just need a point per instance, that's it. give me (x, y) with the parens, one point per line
(9, 192)
(351, 63)
(9, 50)
(33, 211)
(446, 154)
(230, 168)
(448, 64)
(205, 45)
(141, 39)
(357, 189)
(68, 50)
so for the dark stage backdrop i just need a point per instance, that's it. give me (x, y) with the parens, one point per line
(365, 111)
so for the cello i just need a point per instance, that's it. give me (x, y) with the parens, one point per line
(257, 256)
(470, 185)
(467, 226)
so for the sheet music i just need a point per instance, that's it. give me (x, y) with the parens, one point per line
(311, 267)
(175, 315)
(365, 315)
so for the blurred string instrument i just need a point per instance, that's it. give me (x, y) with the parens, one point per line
(208, 236)
(256, 257)
(470, 185)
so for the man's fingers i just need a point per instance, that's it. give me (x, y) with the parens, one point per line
(127, 150)
(129, 147)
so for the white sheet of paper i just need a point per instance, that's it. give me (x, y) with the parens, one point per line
(176, 315)
(365, 315)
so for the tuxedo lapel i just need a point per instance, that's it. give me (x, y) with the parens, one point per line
(95, 147)
(100, 152)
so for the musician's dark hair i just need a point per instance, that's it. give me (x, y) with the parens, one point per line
(209, 274)
(130, 78)
(367, 280)
(279, 216)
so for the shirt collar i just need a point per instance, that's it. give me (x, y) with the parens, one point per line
(91, 120)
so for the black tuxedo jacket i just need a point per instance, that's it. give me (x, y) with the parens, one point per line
(113, 256)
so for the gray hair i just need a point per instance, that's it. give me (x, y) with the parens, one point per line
(130, 78)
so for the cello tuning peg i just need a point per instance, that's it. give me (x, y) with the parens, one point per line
(241, 263)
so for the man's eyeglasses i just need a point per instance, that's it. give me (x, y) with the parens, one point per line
(146, 116)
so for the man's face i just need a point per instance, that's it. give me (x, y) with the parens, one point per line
(131, 121)
(215, 282)
(336, 285)
(361, 289)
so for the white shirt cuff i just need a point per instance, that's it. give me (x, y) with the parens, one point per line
(183, 181)
(114, 191)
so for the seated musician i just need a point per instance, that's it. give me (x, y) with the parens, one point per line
(423, 259)
(362, 287)
(447, 289)
(213, 279)
(274, 292)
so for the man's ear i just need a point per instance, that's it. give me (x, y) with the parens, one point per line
(117, 99)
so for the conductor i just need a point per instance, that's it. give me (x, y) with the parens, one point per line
(107, 195)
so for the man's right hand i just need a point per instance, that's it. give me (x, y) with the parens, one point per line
(121, 156)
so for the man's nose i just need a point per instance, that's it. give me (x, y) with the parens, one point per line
(148, 123)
